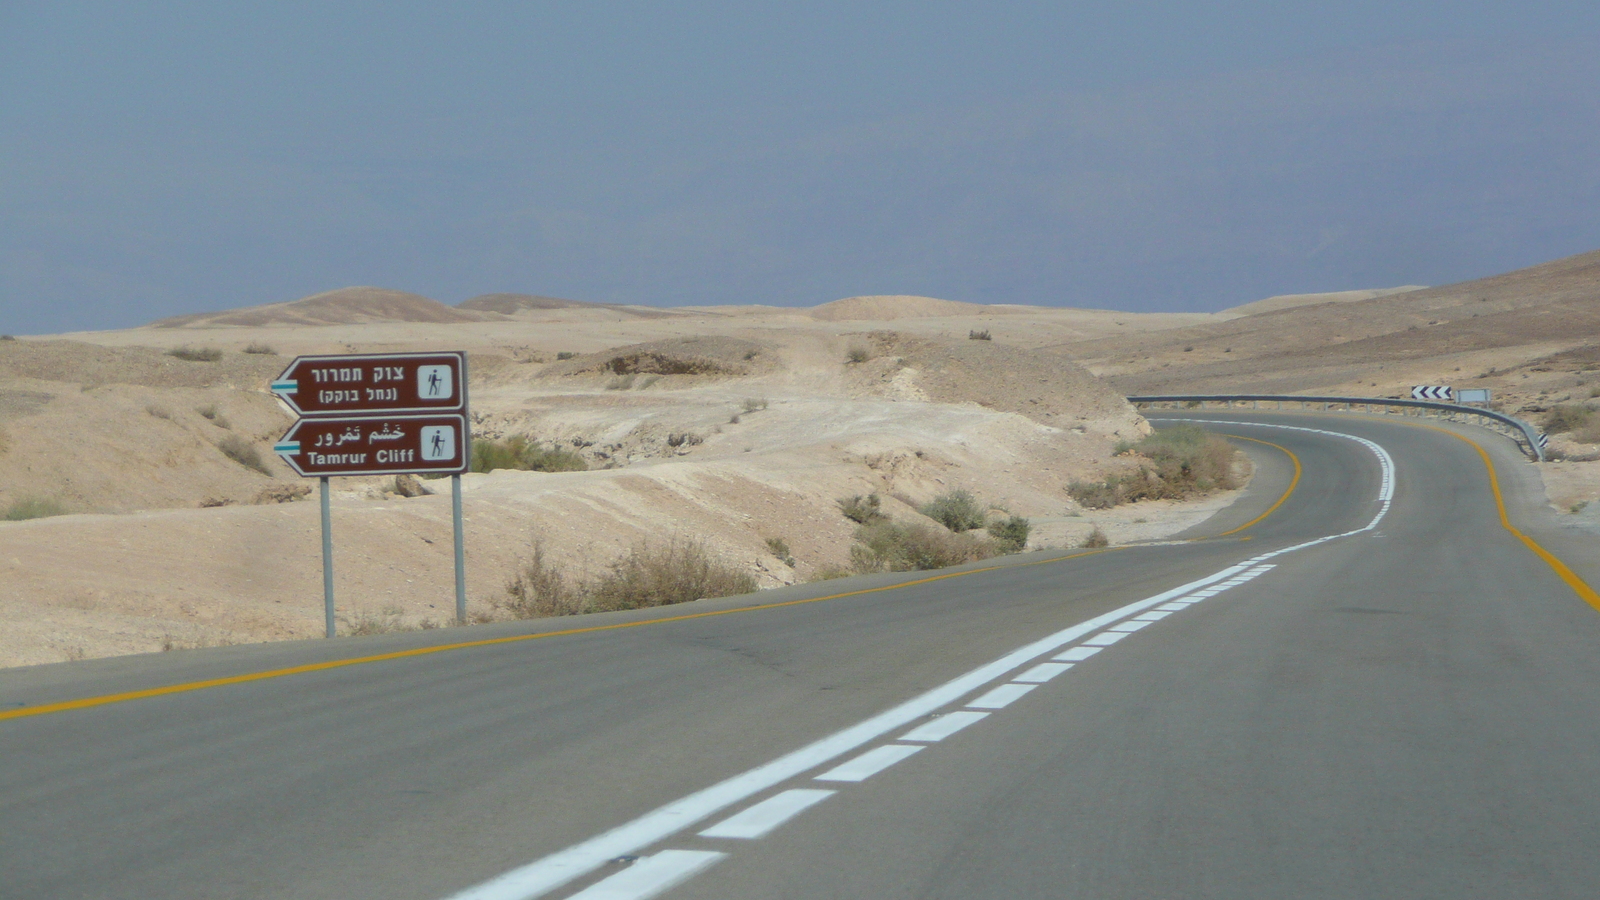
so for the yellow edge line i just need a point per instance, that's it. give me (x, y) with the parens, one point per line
(105, 699)
(1578, 585)
(1293, 483)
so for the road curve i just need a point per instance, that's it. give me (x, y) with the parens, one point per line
(1405, 710)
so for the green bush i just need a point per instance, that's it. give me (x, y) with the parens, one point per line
(862, 510)
(1011, 534)
(956, 510)
(33, 508)
(518, 452)
(1175, 463)
(244, 453)
(196, 354)
(895, 547)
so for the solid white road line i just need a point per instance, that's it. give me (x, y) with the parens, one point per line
(651, 876)
(768, 814)
(944, 726)
(869, 763)
(1002, 696)
(1042, 672)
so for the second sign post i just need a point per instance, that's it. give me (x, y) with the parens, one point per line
(378, 414)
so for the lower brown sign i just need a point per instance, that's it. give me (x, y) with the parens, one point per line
(376, 445)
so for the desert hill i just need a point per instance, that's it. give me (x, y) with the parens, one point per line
(345, 306)
(1290, 301)
(1487, 332)
(507, 304)
(890, 307)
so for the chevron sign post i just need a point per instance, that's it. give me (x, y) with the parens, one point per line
(1432, 392)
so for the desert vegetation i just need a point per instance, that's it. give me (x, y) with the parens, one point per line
(957, 510)
(244, 453)
(1575, 419)
(196, 354)
(33, 508)
(1174, 463)
(518, 452)
(678, 571)
(862, 510)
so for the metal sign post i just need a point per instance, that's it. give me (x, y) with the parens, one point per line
(378, 414)
(327, 558)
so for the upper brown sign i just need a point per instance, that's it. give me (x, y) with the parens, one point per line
(374, 383)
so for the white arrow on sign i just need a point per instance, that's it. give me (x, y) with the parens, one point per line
(1432, 392)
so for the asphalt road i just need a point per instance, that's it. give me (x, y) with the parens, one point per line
(1409, 710)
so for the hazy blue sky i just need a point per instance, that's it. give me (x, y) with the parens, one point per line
(161, 159)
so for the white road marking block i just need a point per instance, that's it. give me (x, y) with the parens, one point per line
(944, 726)
(1076, 654)
(1105, 638)
(1042, 672)
(768, 814)
(1151, 616)
(1175, 606)
(869, 763)
(1001, 696)
(651, 876)
(1130, 626)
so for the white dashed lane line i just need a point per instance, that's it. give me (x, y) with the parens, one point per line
(650, 876)
(869, 763)
(762, 818)
(937, 729)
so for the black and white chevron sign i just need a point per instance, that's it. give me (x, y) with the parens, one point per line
(1432, 392)
(1544, 441)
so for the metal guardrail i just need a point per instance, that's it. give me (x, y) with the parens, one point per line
(1527, 438)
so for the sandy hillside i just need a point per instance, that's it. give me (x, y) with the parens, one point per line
(1531, 337)
(734, 425)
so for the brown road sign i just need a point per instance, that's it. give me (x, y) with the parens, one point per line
(377, 445)
(356, 384)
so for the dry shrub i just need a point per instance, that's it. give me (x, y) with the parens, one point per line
(1095, 540)
(975, 335)
(1175, 463)
(1010, 535)
(541, 589)
(1569, 418)
(33, 508)
(655, 362)
(244, 453)
(678, 571)
(895, 547)
(196, 354)
(956, 510)
(857, 355)
(862, 510)
(260, 349)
